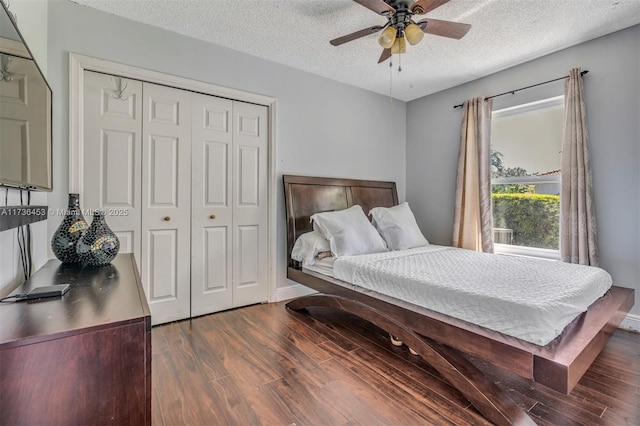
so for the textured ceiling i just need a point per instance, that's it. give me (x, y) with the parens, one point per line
(504, 33)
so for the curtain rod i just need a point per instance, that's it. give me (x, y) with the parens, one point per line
(512, 92)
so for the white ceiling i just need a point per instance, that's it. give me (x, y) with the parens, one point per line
(504, 33)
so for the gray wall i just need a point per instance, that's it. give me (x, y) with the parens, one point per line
(612, 91)
(323, 127)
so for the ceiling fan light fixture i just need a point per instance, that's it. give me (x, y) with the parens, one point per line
(413, 34)
(399, 46)
(388, 37)
(400, 28)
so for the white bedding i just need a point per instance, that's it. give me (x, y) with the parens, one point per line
(530, 299)
(323, 266)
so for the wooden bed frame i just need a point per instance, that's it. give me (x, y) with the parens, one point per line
(440, 339)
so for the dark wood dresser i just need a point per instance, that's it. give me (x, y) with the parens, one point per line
(82, 359)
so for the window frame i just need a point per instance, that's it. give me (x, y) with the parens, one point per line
(525, 251)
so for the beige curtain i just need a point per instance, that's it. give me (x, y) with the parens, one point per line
(578, 240)
(473, 223)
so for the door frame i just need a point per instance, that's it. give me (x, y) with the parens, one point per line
(79, 63)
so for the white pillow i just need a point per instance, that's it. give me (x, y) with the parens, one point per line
(308, 246)
(349, 232)
(398, 227)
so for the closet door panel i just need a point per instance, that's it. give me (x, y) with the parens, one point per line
(249, 255)
(112, 154)
(250, 137)
(211, 211)
(215, 250)
(249, 176)
(216, 173)
(128, 242)
(163, 271)
(118, 168)
(163, 171)
(166, 201)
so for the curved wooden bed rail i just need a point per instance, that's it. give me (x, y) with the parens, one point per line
(485, 395)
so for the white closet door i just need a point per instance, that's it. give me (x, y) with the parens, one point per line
(211, 201)
(250, 139)
(112, 155)
(166, 202)
(184, 177)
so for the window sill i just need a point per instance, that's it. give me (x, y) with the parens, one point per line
(521, 251)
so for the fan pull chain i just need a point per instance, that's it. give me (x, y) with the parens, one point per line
(391, 83)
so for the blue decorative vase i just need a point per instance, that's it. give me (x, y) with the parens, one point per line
(73, 226)
(99, 245)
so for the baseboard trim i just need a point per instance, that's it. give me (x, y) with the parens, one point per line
(631, 323)
(292, 291)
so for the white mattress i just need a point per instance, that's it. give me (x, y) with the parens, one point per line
(530, 299)
(323, 266)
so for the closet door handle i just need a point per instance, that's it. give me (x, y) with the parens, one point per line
(167, 218)
(213, 216)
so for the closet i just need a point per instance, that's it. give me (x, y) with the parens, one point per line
(183, 179)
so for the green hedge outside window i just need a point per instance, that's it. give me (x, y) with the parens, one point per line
(534, 218)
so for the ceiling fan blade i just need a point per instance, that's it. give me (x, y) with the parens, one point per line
(444, 28)
(353, 36)
(386, 54)
(378, 6)
(424, 6)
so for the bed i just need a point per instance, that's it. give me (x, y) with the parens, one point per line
(441, 340)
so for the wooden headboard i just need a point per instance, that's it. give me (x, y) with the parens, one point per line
(306, 195)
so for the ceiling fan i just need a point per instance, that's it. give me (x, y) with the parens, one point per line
(401, 28)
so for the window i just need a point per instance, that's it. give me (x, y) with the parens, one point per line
(526, 149)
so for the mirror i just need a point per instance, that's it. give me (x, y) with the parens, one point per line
(25, 113)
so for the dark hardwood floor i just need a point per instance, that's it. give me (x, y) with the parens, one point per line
(265, 365)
